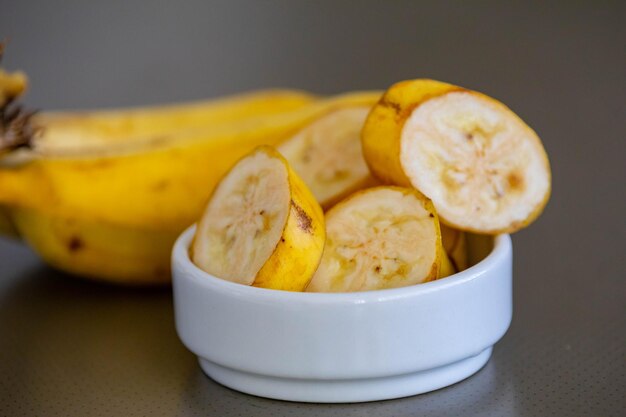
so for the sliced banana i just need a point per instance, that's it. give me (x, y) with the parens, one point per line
(262, 226)
(382, 237)
(484, 169)
(327, 155)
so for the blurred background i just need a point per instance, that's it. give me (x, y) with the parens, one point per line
(108, 54)
(561, 66)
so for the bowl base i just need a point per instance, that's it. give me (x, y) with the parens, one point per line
(346, 390)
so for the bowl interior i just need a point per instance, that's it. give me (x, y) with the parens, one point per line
(478, 247)
(484, 253)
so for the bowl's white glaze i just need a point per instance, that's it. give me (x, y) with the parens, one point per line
(346, 347)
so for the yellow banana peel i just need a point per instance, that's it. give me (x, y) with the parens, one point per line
(298, 253)
(84, 130)
(97, 250)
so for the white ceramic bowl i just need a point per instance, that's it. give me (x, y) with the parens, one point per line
(346, 347)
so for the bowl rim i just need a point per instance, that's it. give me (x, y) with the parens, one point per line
(180, 256)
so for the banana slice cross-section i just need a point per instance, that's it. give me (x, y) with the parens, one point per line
(327, 154)
(262, 226)
(485, 170)
(381, 237)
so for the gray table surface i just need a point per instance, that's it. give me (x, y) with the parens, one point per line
(69, 347)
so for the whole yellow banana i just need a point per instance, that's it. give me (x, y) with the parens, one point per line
(111, 209)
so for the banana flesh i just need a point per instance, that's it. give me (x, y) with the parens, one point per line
(378, 238)
(327, 154)
(262, 226)
(244, 219)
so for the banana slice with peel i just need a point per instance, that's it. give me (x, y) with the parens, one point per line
(485, 170)
(262, 226)
(381, 237)
(327, 154)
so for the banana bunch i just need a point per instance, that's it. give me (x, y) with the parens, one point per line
(402, 183)
(104, 194)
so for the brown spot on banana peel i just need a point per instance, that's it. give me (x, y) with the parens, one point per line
(75, 244)
(160, 186)
(304, 220)
(403, 113)
(391, 104)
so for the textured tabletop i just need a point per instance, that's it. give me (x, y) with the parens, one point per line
(69, 347)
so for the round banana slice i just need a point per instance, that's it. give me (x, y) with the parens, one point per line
(485, 170)
(262, 226)
(327, 154)
(382, 237)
